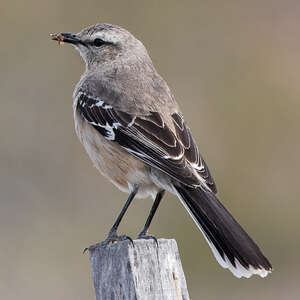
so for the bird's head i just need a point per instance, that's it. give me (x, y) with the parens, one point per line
(102, 44)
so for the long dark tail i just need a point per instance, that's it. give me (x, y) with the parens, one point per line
(231, 245)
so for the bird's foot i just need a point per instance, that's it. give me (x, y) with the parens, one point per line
(112, 237)
(144, 235)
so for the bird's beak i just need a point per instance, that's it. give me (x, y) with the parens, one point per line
(65, 38)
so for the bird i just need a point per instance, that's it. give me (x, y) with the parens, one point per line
(133, 130)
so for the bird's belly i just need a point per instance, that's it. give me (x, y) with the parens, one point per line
(113, 162)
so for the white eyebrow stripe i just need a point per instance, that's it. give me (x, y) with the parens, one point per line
(111, 38)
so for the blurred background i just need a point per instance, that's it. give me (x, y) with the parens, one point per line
(234, 67)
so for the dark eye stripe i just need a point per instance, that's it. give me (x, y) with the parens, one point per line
(98, 42)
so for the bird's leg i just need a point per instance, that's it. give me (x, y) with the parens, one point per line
(144, 233)
(112, 235)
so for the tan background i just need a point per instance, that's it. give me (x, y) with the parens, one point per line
(234, 67)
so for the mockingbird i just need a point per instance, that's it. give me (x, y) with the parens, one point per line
(132, 128)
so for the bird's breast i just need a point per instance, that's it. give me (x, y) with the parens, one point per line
(113, 162)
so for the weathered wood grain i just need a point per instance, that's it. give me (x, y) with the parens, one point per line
(143, 272)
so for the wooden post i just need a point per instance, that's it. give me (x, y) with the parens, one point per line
(143, 272)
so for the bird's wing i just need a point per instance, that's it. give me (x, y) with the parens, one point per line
(149, 138)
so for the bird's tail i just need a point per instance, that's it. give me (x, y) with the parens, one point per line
(231, 245)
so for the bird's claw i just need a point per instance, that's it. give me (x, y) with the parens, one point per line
(112, 238)
(145, 236)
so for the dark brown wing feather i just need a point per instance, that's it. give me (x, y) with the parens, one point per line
(150, 139)
(191, 151)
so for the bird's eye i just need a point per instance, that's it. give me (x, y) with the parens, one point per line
(98, 42)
